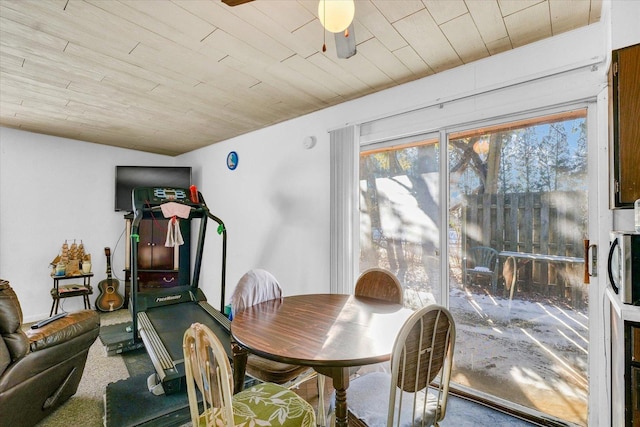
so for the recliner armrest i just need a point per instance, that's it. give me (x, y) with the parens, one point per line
(64, 329)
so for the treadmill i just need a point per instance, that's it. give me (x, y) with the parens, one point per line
(162, 315)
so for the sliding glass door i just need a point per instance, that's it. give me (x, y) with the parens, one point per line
(517, 215)
(518, 202)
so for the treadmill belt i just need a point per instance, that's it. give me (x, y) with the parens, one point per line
(171, 321)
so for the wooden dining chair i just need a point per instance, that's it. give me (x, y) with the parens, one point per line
(380, 284)
(383, 285)
(421, 365)
(208, 371)
(254, 287)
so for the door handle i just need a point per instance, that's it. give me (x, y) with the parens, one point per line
(594, 261)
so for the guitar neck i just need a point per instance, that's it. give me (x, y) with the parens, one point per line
(107, 253)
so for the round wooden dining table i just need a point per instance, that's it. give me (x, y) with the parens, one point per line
(328, 332)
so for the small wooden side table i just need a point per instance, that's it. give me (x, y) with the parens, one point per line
(67, 291)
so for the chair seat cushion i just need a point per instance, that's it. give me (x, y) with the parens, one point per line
(271, 371)
(368, 400)
(268, 404)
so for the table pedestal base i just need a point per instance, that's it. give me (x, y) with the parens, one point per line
(340, 377)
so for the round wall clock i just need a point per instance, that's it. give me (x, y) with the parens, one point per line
(232, 160)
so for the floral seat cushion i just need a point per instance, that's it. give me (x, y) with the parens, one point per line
(266, 404)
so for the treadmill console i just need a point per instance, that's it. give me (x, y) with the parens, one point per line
(155, 196)
(169, 195)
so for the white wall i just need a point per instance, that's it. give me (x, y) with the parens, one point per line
(275, 206)
(51, 190)
(625, 15)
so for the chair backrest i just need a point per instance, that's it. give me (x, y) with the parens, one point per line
(254, 287)
(484, 256)
(422, 356)
(207, 368)
(380, 284)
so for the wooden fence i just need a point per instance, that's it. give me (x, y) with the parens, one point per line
(548, 223)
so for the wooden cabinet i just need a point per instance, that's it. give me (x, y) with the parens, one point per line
(152, 254)
(632, 374)
(158, 279)
(624, 86)
(158, 266)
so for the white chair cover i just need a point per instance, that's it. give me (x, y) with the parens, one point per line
(254, 287)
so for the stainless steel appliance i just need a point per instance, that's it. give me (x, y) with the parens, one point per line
(623, 266)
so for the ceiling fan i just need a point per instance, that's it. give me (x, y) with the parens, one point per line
(345, 38)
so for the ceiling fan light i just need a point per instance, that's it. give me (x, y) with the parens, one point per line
(336, 15)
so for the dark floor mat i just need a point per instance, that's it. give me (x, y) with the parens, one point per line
(129, 403)
(118, 338)
(138, 362)
(114, 333)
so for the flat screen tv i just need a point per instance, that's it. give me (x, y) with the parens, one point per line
(129, 177)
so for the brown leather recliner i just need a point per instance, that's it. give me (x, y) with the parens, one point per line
(40, 369)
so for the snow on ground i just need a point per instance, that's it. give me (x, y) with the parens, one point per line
(531, 352)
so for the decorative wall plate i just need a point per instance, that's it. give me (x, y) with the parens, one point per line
(232, 160)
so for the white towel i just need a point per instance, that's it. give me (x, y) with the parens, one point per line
(171, 209)
(174, 236)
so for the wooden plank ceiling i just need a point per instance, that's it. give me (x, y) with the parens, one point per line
(172, 76)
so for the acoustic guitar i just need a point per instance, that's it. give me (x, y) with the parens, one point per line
(109, 298)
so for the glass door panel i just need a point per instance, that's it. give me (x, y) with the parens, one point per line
(518, 217)
(399, 215)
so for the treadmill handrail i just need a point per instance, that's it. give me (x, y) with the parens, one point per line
(223, 283)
